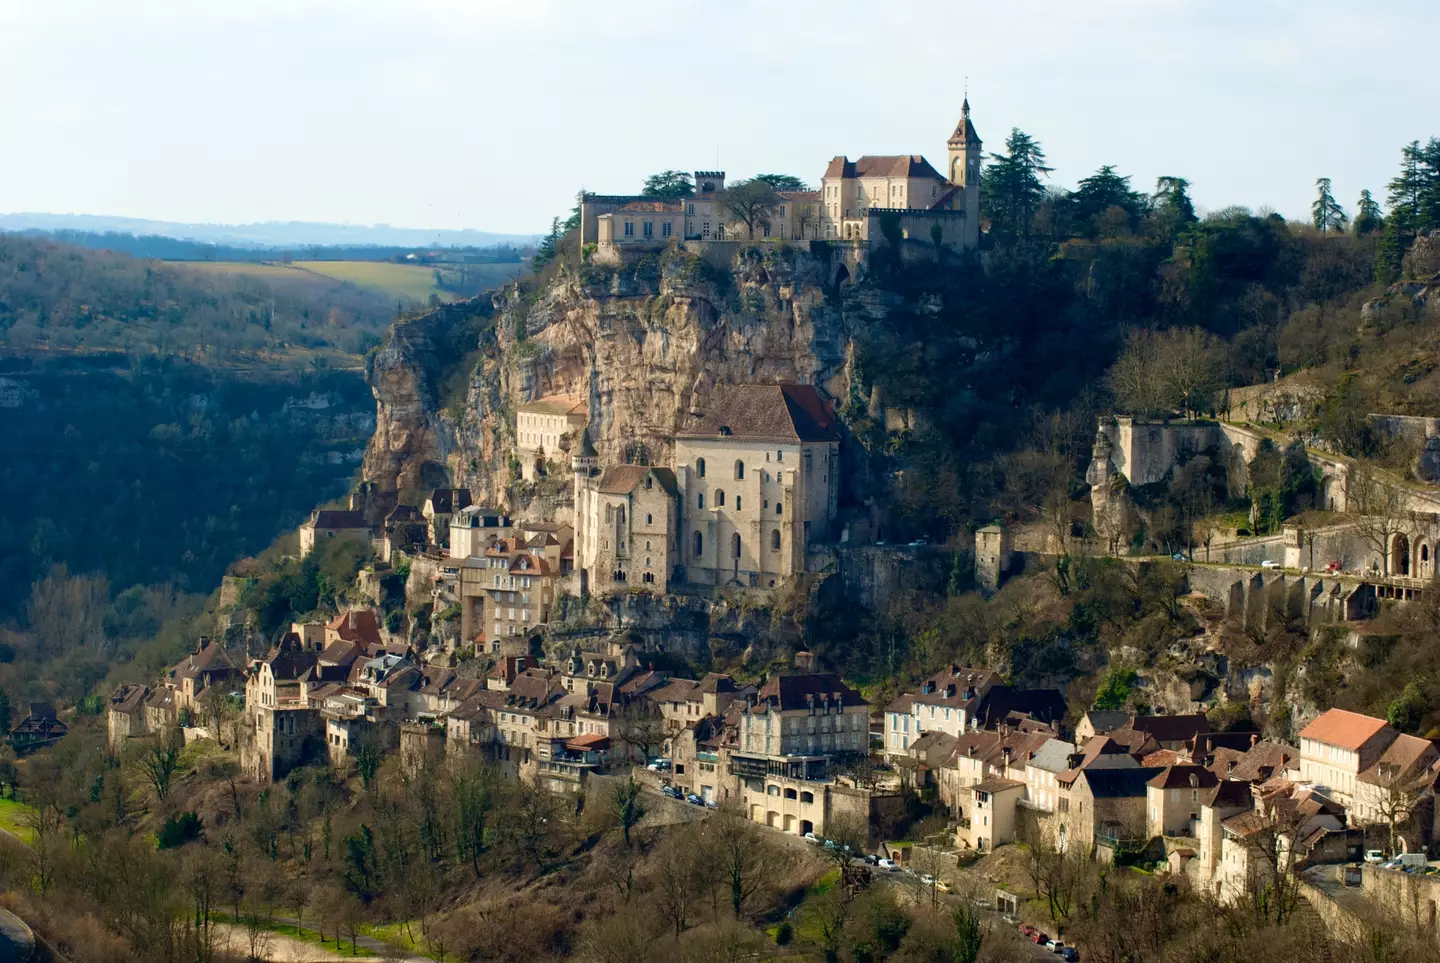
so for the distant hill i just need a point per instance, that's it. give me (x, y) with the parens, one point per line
(269, 234)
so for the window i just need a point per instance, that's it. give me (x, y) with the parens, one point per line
(739, 470)
(665, 229)
(791, 794)
(649, 578)
(699, 544)
(779, 456)
(772, 790)
(649, 520)
(775, 540)
(648, 228)
(720, 498)
(705, 229)
(700, 467)
(735, 544)
(782, 210)
(700, 501)
(779, 509)
(807, 797)
(649, 482)
(629, 228)
(737, 503)
(690, 209)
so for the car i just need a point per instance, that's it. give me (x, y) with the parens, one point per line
(711, 804)
(1269, 563)
(694, 800)
(829, 844)
(918, 543)
(1039, 938)
(1010, 919)
(1374, 856)
(1070, 954)
(1026, 930)
(670, 791)
(1054, 946)
(927, 879)
(886, 864)
(659, 765)
(942, 886)
(1178, 557)
(983, 903)
(812, 838)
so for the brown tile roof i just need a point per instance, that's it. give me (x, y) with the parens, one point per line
(357, 625)
(129, 698)
(335, 520)
(882, 165)
(1340, 727)
(1184, 776)
(784, 412)
(624, 479)
(801, 196)
(558, 405)
(1171, 728)
(1265, 760)
(526, 564)
(211, 658)
(1227, 794)
(788, 692)
(1406, 754)
(995, 784)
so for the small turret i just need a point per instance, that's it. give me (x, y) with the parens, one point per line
(586, 461)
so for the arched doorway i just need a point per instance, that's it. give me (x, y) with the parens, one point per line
(1424, 555)
(1400, 555)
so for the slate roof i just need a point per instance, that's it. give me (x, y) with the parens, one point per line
(128, 699)
(801, 196)
(882, 165)
(784, 412)
(1340, 727)
(1180, 728)
(624, 479)
(1227, 794)
(1104, 720)
(1119, 783)
(1184, 776)
(1052, 756)
(444, 501)
(653, 207)
(211, 658)
(332, 519)
(559, 404)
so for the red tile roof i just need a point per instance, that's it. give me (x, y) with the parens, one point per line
(1340, 727)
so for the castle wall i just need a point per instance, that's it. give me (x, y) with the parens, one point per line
(1145, 453)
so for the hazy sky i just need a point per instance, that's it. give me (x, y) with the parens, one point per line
(490, 115)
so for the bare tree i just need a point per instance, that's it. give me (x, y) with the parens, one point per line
(159, 760)
(1398, 796)
(1269, 835)
(751, 203)
(641, 726)
(677, 878)
(1380, 509)
(743, 856)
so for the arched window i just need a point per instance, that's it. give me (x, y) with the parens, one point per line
(735, 543)
(700, 467)
(779, 509)
(700, 501)
(779, 455)
(649, 482)
(737, 503)
(739, 470)
(775, 540)
(699, 544)
(719, 498)
(649, 519)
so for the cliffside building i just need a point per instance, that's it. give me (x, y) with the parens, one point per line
(544, 429)
(625, 525)
(759, 478)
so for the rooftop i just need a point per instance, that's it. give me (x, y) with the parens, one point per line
(1340, 727)
(783, 412)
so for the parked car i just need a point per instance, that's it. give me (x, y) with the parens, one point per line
(918, 543)
(1039, 938)
(1070, 954)
(1178, 557)
(983, 903)
(694, 800)
(1374, 856)
(886, 864)
(1026, 930)
(829, 844)
(1011, 919)
(1413, 860)
(1269, 563)
(671, 791)
(927, 879)
(812, 838)
(659, 765)
(1054, 946)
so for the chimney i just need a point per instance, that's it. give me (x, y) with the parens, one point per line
(1254, 738)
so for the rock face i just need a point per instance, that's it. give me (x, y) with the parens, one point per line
(645, 344)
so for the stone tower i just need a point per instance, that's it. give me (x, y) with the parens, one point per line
(963, 168)
(992, 557)
(586, 465)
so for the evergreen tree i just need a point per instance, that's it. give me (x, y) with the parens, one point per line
(549, 244)
(1172, 204)
(668, 185)
(1011, 187)
(1096, 195)
(1326, 213)
(1368, 219)
(783, 182)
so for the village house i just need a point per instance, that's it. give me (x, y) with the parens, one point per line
(992, 814)
(1105, 810)
(125, 716)
(945, 703)
(1173, 800)
(194, 676)
(332, 523)
(1338, 746)
(39, 728)
(281, 729)
(683, 702)
(403, 530)
(625, 525)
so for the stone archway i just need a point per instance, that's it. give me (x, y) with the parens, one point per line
(1422, 556)
(1400, 555)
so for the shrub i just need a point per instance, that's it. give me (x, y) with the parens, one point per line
(179, 829)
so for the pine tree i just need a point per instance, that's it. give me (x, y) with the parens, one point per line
(1326, 212)
(1172, 204)
(1097, 194)
(1011, 186)
(1368, 219)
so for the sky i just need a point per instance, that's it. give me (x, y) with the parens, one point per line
(491, 114)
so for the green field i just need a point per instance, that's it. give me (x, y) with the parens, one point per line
(14, 819)
(410, 281)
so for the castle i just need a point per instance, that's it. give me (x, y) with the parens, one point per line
(875, 198)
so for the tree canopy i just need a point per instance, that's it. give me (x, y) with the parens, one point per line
(668, 185)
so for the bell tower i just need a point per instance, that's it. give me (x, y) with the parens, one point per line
(963, 170)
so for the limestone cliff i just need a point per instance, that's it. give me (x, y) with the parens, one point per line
(645, 344)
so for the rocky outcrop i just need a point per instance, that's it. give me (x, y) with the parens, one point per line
(646, 343)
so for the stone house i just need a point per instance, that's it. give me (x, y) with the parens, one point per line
(991, 822)
(625, 525)
(684, 702)
(1105, 809)
(759, 479)
(946, 702)
(1098, 722)
(1338, 746)
(1174, 798)
(474, 528)
(161, 712)
(125, 716)
(797, 721)
(192, 678)
(331, 523)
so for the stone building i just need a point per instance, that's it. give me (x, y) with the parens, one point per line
(330, 523)
(439, 508)
(507, 594)
(759, 477)
(625, 525)
(125, 716)
(544, 431)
